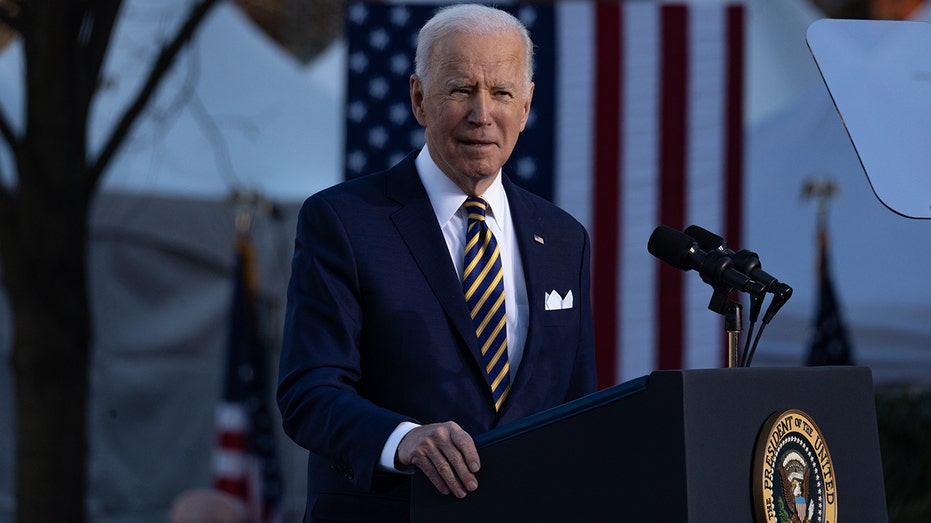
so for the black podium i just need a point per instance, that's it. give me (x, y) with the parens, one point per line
(671, 446)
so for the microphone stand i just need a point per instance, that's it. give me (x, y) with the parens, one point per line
(733, 323)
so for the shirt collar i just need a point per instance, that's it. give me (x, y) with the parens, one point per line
(446, 197)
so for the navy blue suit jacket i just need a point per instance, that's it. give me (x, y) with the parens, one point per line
(377, 331)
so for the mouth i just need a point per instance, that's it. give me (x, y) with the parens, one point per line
(478, 144)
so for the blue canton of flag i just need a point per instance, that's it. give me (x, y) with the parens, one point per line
(380, 128)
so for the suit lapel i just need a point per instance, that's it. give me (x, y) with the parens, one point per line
(526, 225)
(416, 223)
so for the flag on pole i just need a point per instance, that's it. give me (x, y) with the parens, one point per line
(245, 461)
(830, 345)
(636, 121)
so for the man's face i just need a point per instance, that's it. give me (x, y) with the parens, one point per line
(474, 106)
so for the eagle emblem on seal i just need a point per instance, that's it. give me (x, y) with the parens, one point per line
(795, 474)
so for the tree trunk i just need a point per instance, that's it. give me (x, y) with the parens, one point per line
(45, 266)
(43, 240)
(50, 366)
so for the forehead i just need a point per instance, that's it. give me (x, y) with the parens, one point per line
(466, 54)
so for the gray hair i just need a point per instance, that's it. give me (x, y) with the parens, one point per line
(471, 19)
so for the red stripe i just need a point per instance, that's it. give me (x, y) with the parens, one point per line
(672, 177)
(733, 154)
(606, 169)
(733, 210)
(236, 487)
(232, 440)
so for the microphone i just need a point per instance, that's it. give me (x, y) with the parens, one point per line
(746, 262)
(715, 268)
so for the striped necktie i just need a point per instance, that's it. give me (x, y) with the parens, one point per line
(483, 283)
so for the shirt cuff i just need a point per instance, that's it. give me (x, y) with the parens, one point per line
(390, 449)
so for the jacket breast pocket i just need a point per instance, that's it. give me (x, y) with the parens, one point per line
(561, 317)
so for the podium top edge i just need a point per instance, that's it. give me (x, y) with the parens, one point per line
(555, 414)
(638, 385)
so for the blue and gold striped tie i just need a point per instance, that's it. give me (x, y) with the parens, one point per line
(483, 283)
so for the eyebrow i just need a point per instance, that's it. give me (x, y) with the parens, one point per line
(454, 82)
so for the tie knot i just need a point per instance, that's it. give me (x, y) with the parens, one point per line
(475, 207)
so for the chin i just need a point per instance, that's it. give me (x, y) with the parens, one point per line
(485, 170)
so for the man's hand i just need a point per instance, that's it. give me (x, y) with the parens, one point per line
(445, 453)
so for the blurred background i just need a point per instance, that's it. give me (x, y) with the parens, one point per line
(190, 219)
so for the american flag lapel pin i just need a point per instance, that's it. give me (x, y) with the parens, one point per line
(539, 239)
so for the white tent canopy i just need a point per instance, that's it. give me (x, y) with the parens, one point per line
(877, 257)
(236, 112)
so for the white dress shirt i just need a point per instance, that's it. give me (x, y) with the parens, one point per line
(447, 199)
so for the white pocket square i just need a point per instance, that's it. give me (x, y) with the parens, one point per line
(553, 302)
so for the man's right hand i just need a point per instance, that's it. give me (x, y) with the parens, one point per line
(445, 453)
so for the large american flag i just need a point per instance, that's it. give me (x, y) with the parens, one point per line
(636, 121)
(380, 127)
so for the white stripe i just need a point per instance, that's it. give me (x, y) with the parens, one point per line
(574, 105)
(704, 333)
(636, 326)
(229, 464)
(231, 417)
(640, 133)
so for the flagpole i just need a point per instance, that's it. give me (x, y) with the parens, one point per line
(821, 189)
(246, 464)
(733, 324)
(830, 343)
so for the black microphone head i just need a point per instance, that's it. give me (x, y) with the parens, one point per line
(671, 246)
(707, 240)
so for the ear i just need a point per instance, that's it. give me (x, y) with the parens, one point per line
(417, 97)
(526, 108)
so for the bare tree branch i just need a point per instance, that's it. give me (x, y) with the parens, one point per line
(6, 197)
(6, 131)
(99, 39)
(8, 11)
(219, 145)
(158, 71)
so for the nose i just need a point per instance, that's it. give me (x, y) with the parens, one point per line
(479, 113)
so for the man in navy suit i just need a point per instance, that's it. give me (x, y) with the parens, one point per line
(381, 368)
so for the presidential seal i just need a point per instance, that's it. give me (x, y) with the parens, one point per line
(793, 476)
